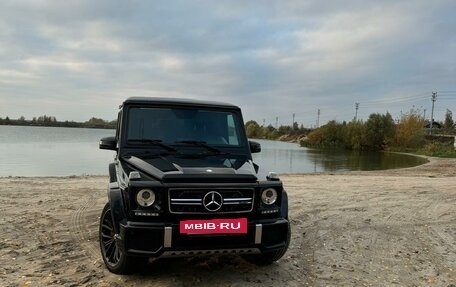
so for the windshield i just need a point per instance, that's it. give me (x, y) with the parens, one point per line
(181, 125)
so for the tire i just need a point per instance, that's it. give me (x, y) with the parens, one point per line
(113, 256)
(268, 258)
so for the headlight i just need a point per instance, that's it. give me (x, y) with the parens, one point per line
(269, 196)
(145, 197)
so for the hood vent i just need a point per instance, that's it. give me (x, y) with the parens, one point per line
(166, 171)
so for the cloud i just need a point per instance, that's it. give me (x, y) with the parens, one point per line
(78, 59)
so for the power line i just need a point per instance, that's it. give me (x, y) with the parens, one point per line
(362, 109)
(397, 99)
(370, 104)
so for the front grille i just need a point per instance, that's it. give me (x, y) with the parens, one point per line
(191, 201)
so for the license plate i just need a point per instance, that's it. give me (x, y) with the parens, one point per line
(214, 226)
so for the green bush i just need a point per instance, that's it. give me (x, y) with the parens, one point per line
(438, 149)
(379, 131)
(375, 134)
(331, 135)
(409, 131)
(355, 135)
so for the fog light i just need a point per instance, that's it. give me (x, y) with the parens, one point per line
(269, 196)
(145, 197)
(143, 213)
(272, 211)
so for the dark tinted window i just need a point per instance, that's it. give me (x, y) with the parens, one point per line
(176, 124)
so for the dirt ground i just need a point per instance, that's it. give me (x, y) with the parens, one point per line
(385, 228)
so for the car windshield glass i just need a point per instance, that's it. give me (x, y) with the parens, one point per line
(153, 142)
(211, 149)
(186, 125)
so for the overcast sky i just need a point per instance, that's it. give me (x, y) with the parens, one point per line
(78, 59)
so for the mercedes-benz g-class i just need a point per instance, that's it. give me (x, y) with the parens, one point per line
(183, 183)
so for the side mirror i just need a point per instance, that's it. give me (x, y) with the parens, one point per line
(108, 143)
(255, 147)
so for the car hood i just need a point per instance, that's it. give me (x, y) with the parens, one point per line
(172, 169)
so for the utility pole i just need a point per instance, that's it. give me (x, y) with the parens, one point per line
(318, 118)
(292, 124)
(277, 122)
(434, 97)
(424, 114)
(356, 111)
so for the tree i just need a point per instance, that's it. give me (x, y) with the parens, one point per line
(331, 135)
(355, 136)
(46, 119)
(448, 124)
(379, 131)
(334, 134)
(253, 129)
(271, 132)
(410, 131)
(285, 130)
(295, 126)
(96, 123)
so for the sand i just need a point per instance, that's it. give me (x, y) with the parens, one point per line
(383, 228)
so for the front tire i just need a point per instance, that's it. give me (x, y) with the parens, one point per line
(113, 255)
(268, 258)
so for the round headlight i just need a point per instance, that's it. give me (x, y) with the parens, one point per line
(269, 196)
(145, 197)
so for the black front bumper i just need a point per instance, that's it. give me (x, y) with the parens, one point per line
(162, 239)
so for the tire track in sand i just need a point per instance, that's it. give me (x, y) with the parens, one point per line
(82, 223)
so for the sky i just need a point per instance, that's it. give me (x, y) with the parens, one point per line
(80, 59)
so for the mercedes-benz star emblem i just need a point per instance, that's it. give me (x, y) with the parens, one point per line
(212, 201)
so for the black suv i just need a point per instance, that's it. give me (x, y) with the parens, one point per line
(183, 183)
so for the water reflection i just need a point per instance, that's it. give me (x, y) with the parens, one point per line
(290, 158)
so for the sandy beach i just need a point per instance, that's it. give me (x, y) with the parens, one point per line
(382, 228)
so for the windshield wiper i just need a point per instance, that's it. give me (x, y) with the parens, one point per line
(153, 142)
(201, 144)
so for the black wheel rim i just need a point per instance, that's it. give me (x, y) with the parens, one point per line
(111, 251)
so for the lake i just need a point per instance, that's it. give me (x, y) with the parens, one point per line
(285, 157)
(49, 151)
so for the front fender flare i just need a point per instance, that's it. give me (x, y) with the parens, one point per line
(116, 203)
